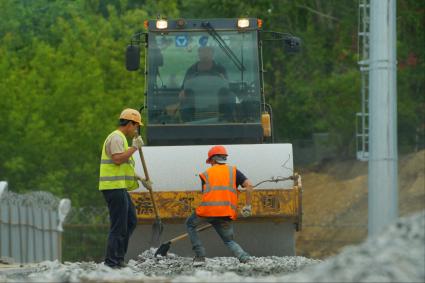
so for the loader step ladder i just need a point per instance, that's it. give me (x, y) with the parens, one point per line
(362, 118)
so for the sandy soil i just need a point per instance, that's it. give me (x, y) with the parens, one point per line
(336, 207)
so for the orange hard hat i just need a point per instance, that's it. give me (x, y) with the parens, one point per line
(132, 115)
(216, 150)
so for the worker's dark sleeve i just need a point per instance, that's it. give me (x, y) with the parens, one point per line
(240, 178)
(189, 74)
(202, 182)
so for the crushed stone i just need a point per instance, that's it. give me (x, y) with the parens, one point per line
(397, 254)
(147, 268)
(173, 265)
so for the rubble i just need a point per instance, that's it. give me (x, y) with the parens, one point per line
(173, 265)
(147, 268)
(397, 254)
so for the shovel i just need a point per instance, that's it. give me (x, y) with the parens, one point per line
(157, 226)
(163, 249)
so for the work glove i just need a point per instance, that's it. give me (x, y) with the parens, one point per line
(246, 210)
(137, 142)
(147, 184)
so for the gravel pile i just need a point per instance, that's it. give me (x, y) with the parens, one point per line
(396, 255)
(54, 271)
(173, 265)
(171, 268)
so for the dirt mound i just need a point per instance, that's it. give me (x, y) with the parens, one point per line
(335, 203)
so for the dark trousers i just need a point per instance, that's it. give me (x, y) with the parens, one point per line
(123, 218)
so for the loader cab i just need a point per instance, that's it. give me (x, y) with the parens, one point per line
(203, 81)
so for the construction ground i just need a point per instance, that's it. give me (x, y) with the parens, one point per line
(332, 247)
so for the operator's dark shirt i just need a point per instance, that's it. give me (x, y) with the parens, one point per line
(240, 178)
(215, 70)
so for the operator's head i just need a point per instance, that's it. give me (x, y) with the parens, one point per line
(217, 154)
(130, 120)
(205, 53)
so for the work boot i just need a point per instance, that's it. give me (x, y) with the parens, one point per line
(198, 261)
(122, 264)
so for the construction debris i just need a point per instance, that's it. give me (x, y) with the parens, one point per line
(397, 254)
(173, 265)
(147, 268)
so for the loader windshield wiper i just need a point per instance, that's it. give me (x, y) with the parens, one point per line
(223, 45)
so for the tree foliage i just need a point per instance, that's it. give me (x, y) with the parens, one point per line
(63, 80)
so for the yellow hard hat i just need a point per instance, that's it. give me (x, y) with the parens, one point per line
(132, 115)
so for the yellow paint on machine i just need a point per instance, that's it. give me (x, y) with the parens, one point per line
(267, 205)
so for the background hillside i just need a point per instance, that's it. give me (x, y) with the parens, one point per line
(335, 203)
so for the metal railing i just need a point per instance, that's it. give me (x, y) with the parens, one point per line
(362, 118)
(85, 235)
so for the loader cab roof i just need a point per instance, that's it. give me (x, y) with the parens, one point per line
(197, 24)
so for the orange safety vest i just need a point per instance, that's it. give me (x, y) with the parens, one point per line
(219, 193)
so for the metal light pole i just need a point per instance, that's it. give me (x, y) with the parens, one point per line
(382, 180)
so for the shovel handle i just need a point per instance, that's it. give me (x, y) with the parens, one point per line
(145, 170)
(186, 234)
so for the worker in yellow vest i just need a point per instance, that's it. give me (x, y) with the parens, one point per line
(117, 176)
(219, 204)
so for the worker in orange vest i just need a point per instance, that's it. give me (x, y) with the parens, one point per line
(219, 204)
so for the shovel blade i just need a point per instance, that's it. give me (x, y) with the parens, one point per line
(163, 249)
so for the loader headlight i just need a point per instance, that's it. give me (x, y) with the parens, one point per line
(161, 24)
(243, 23)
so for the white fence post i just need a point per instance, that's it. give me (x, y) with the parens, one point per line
(4, 231)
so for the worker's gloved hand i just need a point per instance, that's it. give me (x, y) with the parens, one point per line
(137, 142)
(246, 211)
(147, 184)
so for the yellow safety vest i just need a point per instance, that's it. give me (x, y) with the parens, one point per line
(113, 176)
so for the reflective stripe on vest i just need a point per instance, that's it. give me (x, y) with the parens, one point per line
(113, 176)
(218, 203)
(219, 193)
(110, 161)
(218, 188)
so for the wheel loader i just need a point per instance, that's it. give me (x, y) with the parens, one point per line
(187, 111)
